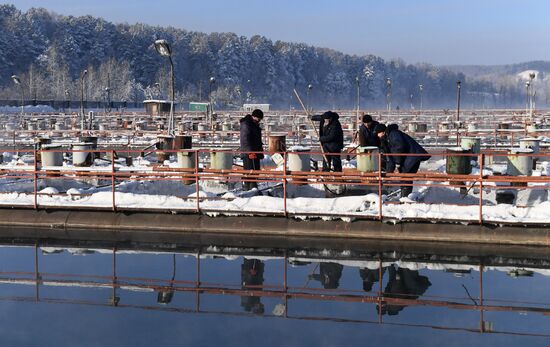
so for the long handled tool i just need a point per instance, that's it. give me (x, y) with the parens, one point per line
(312, 124)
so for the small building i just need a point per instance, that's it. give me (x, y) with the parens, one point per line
(252, 107)
(157, 107)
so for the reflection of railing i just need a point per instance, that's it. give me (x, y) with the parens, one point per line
(284, 292)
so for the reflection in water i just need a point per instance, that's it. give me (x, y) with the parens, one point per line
(204, 279)
(403, 284)
(252, 277)
(370, 277)
(329, 275)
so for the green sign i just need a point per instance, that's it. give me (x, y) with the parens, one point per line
(198, 106)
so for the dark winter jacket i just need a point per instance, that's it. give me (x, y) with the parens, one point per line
(251, 136)
(397, 141)
(367, 137)
(331, 136)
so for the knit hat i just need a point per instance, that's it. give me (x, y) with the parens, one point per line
(258, 113)
(379, 128)
(367, 118)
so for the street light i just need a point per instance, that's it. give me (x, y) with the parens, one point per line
(163, 48)
(17, 81)
(527, 98)
(530, 94)
(356, 124)
(108, 95)
(309, 87)
(211, 82)
(458, 83)
(68, 102)
(388, 94)
(421, 88)
(82, 75)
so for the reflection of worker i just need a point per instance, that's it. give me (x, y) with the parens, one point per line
(251, 141)
(370, 277)
(252, 275)
(403, 284)
(331, 137)
(329, 275)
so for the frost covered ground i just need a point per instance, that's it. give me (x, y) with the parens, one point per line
(434, 203)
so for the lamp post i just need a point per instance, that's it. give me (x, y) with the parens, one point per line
(82, 75)
(211, 82)
(527, 84)
(388, 94)
(309, 87)
(530, 94)
(163, 48)
(421, 88)
(458, 83)
(108, 99)
(68, 97)
(17, 81)
(356, 123)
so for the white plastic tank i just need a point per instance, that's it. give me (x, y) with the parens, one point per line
(52, 158)
(367, 159)
(300, 159)
(221, 159)
(82, 158)
(519, 162)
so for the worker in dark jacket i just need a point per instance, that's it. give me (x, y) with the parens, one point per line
(367, 137)
(251, 141)
(395, 141)
(331, 137)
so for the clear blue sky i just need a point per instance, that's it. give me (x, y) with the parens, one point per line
(434, 31)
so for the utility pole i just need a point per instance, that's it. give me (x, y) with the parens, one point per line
(421, 88)
(457, 111)
(388, 94)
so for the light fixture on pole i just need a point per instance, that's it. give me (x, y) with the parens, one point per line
(309, 87)
(421, 88)
(211, 82)
(163, 48)
(530, 94)
(356, 123)
(68, 98)
(17, 81)
(82, 75)
(458, 84)
(388, 94)
(108, 99)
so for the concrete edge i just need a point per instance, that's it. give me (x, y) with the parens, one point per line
(274, 226)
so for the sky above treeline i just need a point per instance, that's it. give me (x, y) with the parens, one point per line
(441, 32)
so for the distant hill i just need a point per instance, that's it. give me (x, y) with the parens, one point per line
(510, 69)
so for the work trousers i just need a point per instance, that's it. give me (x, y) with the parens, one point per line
(333, 162)
(250, 164)
(407, 189)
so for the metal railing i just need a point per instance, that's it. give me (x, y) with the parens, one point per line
(114, 172)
